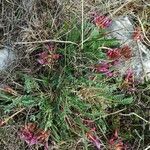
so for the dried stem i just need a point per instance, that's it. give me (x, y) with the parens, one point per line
(10, 117)
(45, 41)
(132, 113)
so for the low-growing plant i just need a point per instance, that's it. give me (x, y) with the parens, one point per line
(68, 88)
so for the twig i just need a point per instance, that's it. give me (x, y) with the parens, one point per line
(46, 41)
(132, 113)
(142, 27)
(107, 48)
(8, 1)
(10, 117)
(147, 148)
(82, 36)
(146, 3)
(113, 113)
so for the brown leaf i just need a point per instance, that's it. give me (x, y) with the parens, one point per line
(9, 90)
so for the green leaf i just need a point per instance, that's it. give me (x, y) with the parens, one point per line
(30, 84)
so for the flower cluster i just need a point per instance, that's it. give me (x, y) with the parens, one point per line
(117, 53)
(115, 56)
(105, 68)
(113, 53)
(128, 81)
(48, 56)
(95, 141)
(116, 142)
(91, 134)
(101, 21)
(33, 135)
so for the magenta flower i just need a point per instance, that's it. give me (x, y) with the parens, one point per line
(129, 76)
(116, 142)
(113, 53)
(43, 58)
(115, 62)
(32, 135)
(128, 83)
(29, 138)
(94, 140)
(48, 56)
(109, 74)
(102, 21)
(102, 67)
(105, 68)
(117, 53)
(126, 52)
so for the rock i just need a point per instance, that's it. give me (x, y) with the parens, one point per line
(6, 58)
(122, 29)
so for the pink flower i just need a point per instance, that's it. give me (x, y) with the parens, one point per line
(43, 58)
(125, 52)
(113, 53)
(129, 76)
(117, 53)
(32, 135)
(105, 68)
(29, 138)
(46, 58)
(109, 74)
(94, 139)
(102, 21)
(116, 142)
(128, 83)
(2, 123)
(115, 62)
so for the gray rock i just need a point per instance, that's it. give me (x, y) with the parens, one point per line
(122, 29)
(6, 58)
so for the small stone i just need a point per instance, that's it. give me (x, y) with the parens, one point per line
(6, 58)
